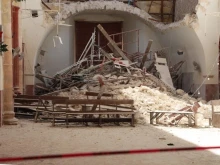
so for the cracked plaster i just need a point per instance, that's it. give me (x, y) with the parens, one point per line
(73, 9)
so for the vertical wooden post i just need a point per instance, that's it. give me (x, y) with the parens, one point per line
(1, 89)
(174, 10)
(15, 44)
(8, 103)
(1, 81)
(146, 53)
(161, 11)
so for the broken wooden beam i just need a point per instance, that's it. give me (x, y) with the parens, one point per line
(112, 42)
(85, 71)
(56, 92)
(41, 87)
(107, 55)
(146, 53)
(94, 101)
(41, 75)
(96, 94)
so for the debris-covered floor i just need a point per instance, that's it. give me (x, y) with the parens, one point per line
(44, 139)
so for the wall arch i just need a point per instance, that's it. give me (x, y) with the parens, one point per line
(113, 7)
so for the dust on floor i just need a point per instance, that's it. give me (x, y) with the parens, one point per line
(29, 138)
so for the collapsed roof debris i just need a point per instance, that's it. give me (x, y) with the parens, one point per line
(125, 78)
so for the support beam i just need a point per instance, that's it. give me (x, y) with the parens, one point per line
(146, 53)
(15, 44)
(112, 42)
(1, 83)
(174, 10)
(8, 106)
(161, 11)
(1, 89)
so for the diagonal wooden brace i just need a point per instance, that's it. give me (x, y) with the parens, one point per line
(112, 43)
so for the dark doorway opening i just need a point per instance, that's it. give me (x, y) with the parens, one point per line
(84, 30)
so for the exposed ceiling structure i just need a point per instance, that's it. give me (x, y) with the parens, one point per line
(161, 10)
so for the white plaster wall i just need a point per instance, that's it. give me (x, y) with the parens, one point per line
(34, 31)
(186, 40)
(145, 34)
(200, 40)
(208, 34)
(61, 56)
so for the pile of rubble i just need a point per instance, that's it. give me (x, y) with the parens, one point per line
(115, 73)
(147, 96)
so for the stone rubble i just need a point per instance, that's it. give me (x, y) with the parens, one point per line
(147, 96)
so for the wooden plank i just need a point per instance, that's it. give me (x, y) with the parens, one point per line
(96, 94)
(27, 97)
(99, 112)
(177, 112)
(162, 11)
(88, 70)
(146, 53)
(29, 106)
(215, 102)
(41, 87)
(112, 107)
(107, 55)
(112, 42)
(22, 100)
(160, 14)
(53, 98)
(174, 10)
(43, 109)
(57, 91)
(93, 101)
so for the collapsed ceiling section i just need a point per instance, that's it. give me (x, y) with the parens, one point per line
(165, 11)
(67, 9)
(156, 14)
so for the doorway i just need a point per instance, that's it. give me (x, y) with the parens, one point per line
(84, 30)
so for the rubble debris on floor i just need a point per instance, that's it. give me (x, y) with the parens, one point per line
(126, 79)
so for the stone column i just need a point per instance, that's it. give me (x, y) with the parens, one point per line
(8, 106)
(1, 79)
(15, 44)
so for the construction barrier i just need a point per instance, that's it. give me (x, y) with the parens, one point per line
(105, 153)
